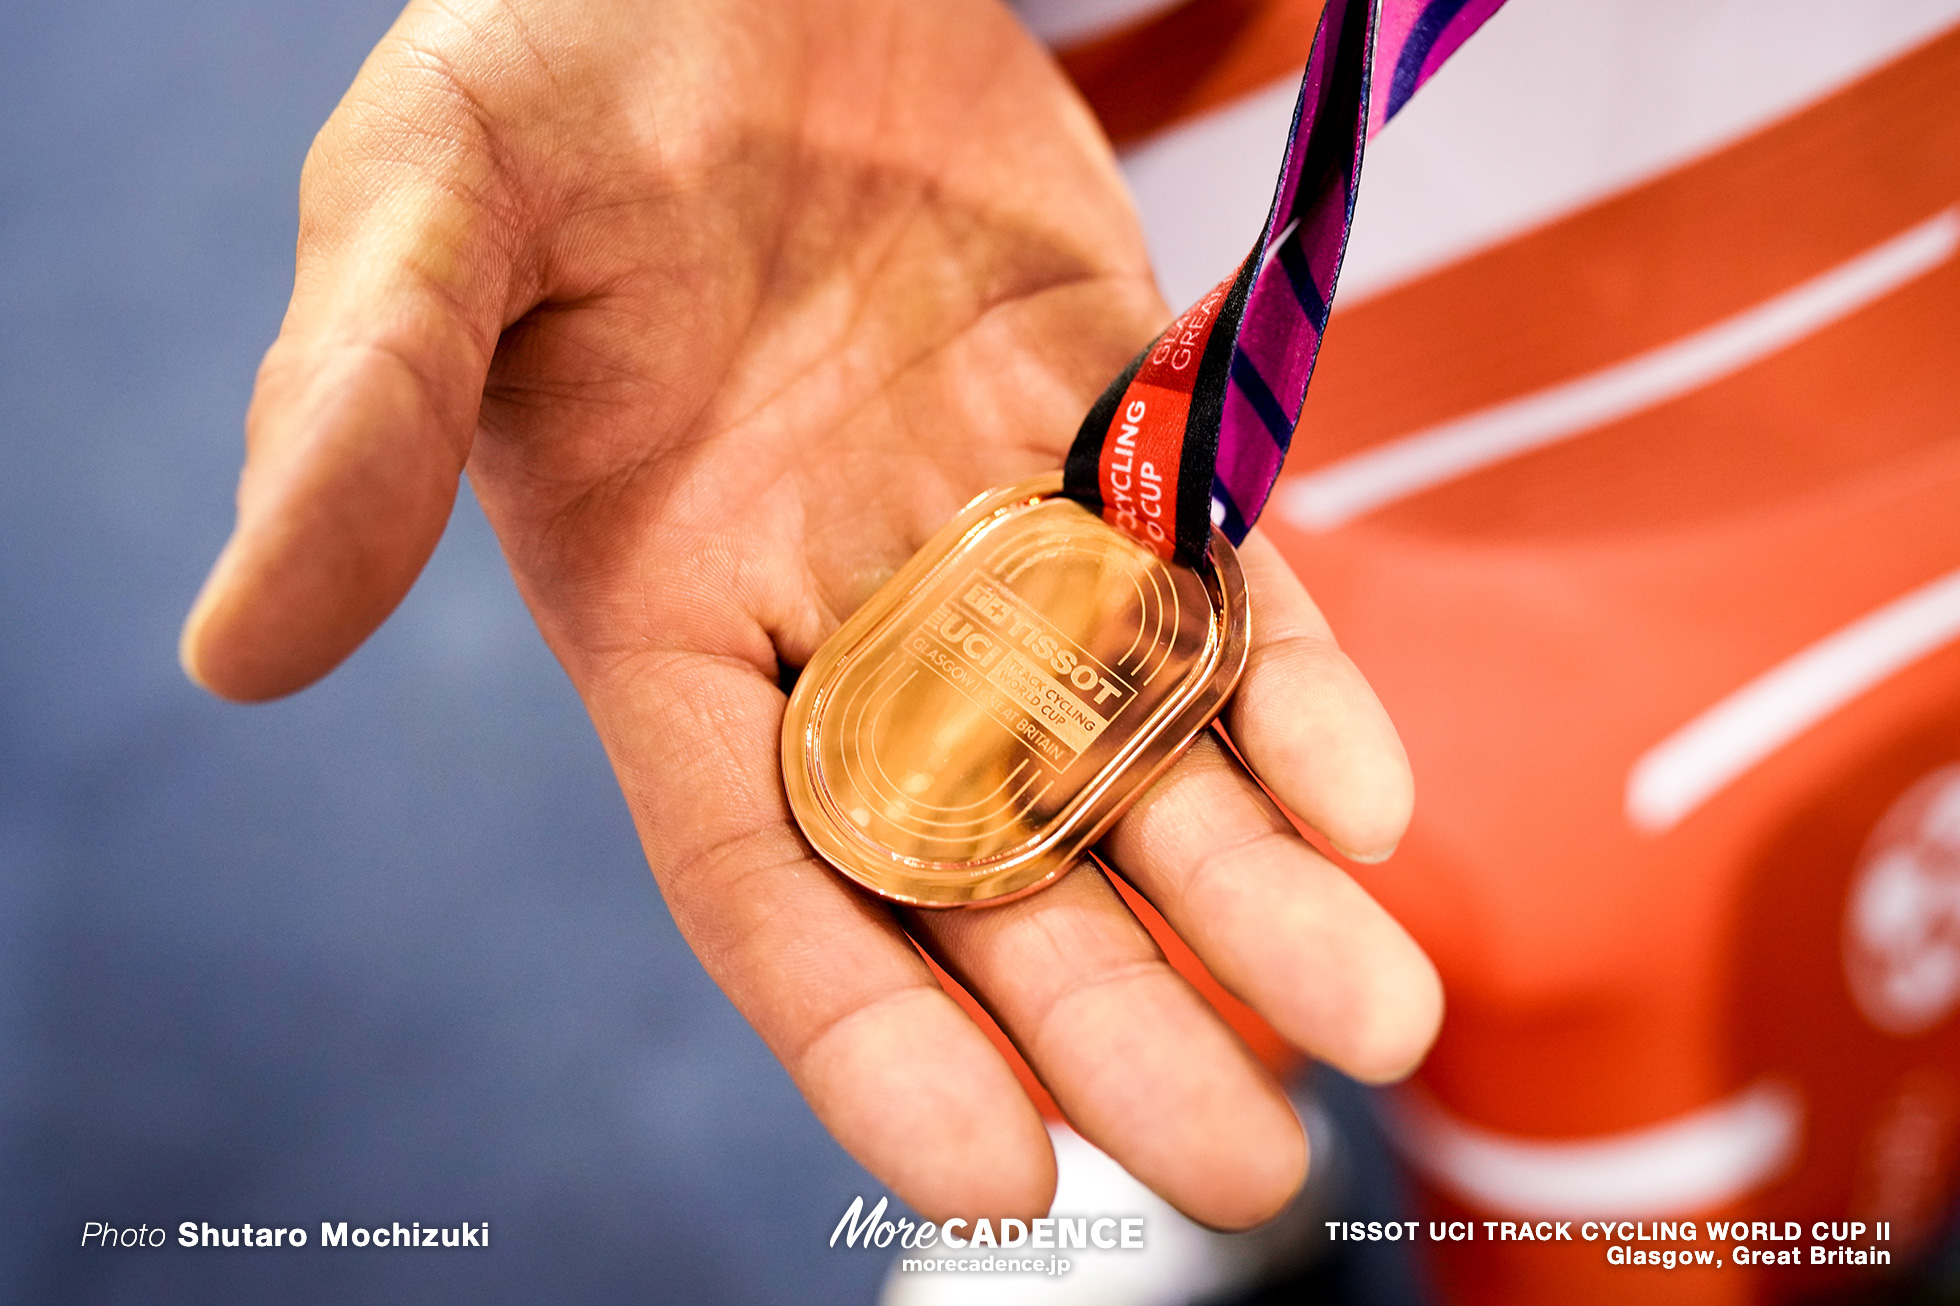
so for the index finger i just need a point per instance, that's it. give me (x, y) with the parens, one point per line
(1308, 723)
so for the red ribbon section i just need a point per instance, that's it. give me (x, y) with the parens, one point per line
(1144, 448)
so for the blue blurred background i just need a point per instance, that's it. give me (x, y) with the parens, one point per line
(386, 951)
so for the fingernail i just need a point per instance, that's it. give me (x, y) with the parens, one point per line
(190, 640)
(187, 643)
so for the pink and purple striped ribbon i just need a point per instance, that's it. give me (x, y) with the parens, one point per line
(1257, 336)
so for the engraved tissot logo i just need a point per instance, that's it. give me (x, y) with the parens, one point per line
(1044, 687)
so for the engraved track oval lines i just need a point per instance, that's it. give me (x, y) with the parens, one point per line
(1177, 624)
(867, 735)
(1009, 561)
(852, 709)
(860, 723)
(1010, 567)
(1145, 607)
(1167, 611)
(1010, 564)
(1153, 606)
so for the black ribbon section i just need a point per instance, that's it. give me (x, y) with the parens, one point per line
(1199, 463)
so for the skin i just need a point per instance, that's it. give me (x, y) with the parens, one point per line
(724, 306)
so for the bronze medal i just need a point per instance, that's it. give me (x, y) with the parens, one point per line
(999, 702)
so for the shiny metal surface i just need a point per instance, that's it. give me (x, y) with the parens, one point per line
(996, 705)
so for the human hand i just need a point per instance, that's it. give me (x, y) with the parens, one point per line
(725, 306)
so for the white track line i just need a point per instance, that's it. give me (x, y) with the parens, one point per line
(1680, 1166)
(1684, 770)
(1344, 490)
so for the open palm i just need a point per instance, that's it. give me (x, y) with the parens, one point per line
(725, 306)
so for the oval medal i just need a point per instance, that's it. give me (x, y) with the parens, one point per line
(1002, 699)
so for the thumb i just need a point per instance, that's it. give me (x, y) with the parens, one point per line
(365, 406)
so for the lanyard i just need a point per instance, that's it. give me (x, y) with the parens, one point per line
(1192, 433)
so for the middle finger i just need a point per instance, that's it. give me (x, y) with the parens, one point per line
(1280, 926)
(1139, 1062)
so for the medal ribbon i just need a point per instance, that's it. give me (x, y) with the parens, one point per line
(1194, 430)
